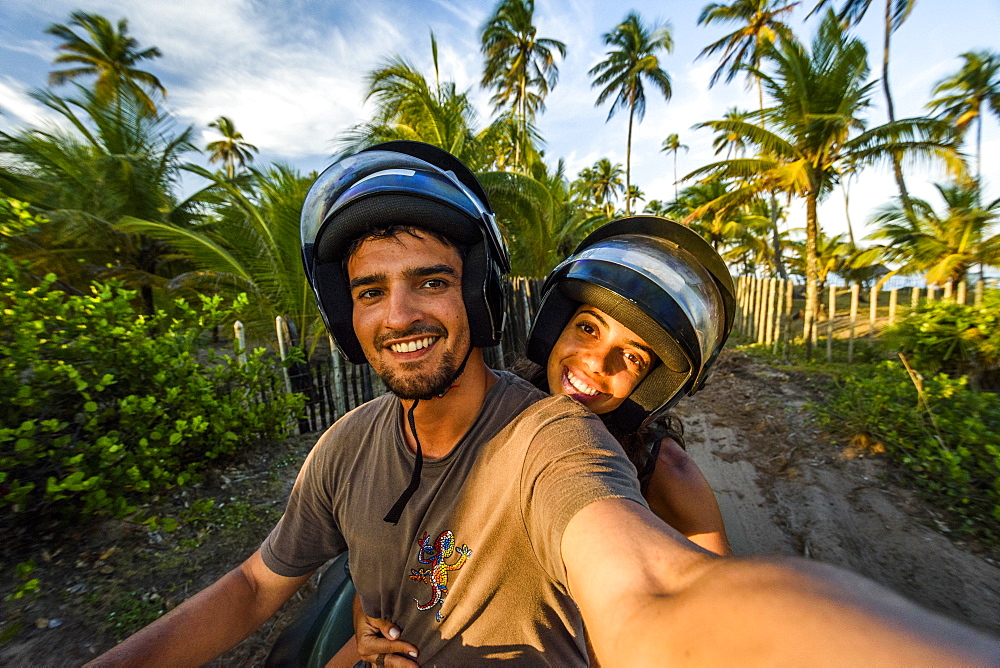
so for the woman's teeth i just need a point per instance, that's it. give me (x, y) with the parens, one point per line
(579, 385)
(412, 346)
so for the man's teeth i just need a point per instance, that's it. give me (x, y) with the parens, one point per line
(579, 385)
(412, 346)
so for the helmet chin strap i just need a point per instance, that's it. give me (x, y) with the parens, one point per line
(392, 517)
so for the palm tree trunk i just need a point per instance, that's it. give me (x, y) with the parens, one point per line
(897, 168)
(979, 153)
(812, 270)
(628, 163)
(760, 90)
(675, 174)
(847, 210)
(779, 264)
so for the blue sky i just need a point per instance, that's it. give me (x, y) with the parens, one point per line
(290, 74)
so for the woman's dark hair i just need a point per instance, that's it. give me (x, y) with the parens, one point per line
(641, 446)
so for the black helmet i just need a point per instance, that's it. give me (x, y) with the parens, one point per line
(402, 183)
(662, 281)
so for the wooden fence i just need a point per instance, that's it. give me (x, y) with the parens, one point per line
(770, 310)
(333, 386)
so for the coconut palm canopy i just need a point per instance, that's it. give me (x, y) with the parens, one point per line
(120, 174)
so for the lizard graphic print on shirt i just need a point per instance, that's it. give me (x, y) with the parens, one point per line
(436, 576)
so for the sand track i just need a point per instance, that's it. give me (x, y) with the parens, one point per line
(786, 489)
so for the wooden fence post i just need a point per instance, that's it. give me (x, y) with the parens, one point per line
(758, 315)
(931, 292)
(962, 289)
(524, 305)
(741, 323)
(340, 401)
(808, 325)
(241, 342)
(872, 313)
(284, 342)
(747, 305)
(948, 289)
(787, 336)
(779, 315)
(772, 286)
(893, 301)
(832, 313)
(855, 298)
(739, 305)
(914, 297)
(979, 293)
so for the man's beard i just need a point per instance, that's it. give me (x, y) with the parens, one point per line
(411, 386)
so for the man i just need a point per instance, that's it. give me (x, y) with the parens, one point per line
(486, 519)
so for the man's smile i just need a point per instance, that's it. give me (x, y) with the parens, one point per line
(413, 346)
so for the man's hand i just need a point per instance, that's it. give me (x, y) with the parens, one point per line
(378, 641)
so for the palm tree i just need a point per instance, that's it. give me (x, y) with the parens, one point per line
(943, 246)
(818, 95)
(605, 183)
(731, 142)
(107, 52)
(543, 221)
(249, 243)
(759, 24)
(633, 196)
(969, 93)
(748, 237)
(896, 12)
(231, 149)
(655, 207)
(108, 164)
(694, 207)
(631, 61)
(519, 66)
(672, 144)
(410, 107)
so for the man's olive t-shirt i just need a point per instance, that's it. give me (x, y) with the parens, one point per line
(472, 573)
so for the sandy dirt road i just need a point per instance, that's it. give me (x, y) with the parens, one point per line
(786, 489)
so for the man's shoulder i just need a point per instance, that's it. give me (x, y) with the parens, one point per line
(361, 419)
(534, 404)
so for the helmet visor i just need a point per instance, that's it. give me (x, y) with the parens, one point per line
(671, 271)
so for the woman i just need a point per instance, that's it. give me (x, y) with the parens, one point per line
(627, 326)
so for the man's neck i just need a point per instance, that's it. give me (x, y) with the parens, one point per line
(442, 421)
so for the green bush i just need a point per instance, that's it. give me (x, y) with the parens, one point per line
(101, 406)
(952, 338)
(948, 441)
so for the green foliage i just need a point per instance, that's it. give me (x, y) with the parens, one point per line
(101, 406)
(952, 338)
(948, 441)
(16, 217)
(28, 585)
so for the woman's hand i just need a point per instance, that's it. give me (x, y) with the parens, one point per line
(378, 641)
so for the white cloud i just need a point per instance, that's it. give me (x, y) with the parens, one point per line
(287, 111)
(15, 103)
(290, 72)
